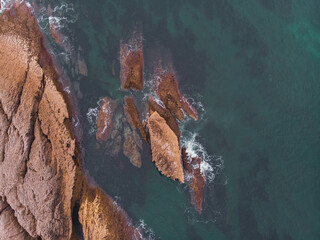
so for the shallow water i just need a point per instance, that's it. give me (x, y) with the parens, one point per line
(254, 66)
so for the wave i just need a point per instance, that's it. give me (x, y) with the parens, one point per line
(211, 165)
(146, 232)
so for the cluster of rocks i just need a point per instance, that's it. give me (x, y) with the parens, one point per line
(161, 128)
(41, 175)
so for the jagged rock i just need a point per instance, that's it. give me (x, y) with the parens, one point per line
(188, 108)
(9, 226)
(166, 114)
(168, 92)
(196, 180)
(102, 218)
(133, 116)
(104, 121)
(165, 148)
(37, 169)
(40, 167)
(131, 63)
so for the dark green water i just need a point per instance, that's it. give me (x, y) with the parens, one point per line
(255, 66)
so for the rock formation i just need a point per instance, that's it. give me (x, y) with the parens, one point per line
(131, 63)
(9, 226)
(165, 148)
(188, 108)
(133, 116)
(168, 92)
(166, 114)
(40, 161)
(105, 117)
(196, 180)
(132, 146)
(102, 218)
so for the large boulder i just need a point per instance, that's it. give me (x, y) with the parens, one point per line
(131, 63)
(165, 148)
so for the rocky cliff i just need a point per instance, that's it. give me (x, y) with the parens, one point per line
(40, 165)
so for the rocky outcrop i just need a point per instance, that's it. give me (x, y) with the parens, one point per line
(168, 92)
(188, 108)
(37, 170)
(131, 63)
(165, 148)
(9, 226)
(132, 146)
(40, 167)
(101, 218)
(166, 114)
(196, 180)
(133, 116)
(105, 117)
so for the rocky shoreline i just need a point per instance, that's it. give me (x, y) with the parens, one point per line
(41, 175)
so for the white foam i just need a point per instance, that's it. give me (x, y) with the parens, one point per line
(146, 232)
(6, 4)
(92, 116)
(210, 164)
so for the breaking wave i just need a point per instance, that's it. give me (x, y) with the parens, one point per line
(147, 233)
(92, 116)
(60, 16)
(6, 4)
(211, 165)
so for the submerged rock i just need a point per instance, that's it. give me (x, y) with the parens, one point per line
(133, 116)
(165, 148)
(105, 117)
(188, 108)
(132, 146)
(131, 63)
(196, 180)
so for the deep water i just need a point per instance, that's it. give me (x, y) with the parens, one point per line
(255, 67)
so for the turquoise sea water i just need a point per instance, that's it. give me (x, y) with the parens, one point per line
(255, 67)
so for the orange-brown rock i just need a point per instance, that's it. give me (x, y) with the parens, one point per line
(133, 116)
(166, 114)
(196, 180)
(40, 167)
(168, 92)
(9, 226)
(101, 218)
(37, 167)
(188, 108)
(165, 148)
(132, 146)
(55, 33)
(131, 64)
(105, 116)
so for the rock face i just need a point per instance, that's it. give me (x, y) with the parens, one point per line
(131, 63)
(40, 167)
(9, 226)
(165, 148)
(166, 114)
(168, 92)
(37, 166)
(102, 218)
(104, 121)
(133, 116)
(196, 180)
